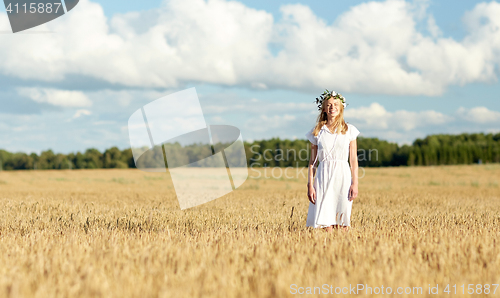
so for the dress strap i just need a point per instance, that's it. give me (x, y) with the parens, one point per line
(319, 135)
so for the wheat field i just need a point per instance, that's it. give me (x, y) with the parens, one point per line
(120, 233)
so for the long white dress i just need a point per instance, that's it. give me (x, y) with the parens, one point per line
(333, 178)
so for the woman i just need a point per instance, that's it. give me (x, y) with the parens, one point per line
(335, 184)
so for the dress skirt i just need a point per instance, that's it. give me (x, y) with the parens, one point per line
(332, 184)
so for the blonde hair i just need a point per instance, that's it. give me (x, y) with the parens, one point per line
(338, 122)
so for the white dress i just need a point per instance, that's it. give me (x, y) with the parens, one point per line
(333, 178)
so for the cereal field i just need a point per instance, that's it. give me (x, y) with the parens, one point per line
(120, 233)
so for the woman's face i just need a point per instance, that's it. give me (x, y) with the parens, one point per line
(332, 107)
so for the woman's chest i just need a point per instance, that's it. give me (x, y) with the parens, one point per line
(329, 141)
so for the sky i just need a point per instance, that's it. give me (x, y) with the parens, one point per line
(407, 69)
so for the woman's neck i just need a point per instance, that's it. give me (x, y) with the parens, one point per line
(330, 122)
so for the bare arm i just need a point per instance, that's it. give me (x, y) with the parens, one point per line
(311, 172)
(353, 160)
(312, 168)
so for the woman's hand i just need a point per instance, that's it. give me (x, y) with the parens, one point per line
(311, 193)
(353, 192)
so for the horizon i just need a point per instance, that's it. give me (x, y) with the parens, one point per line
(251, 142)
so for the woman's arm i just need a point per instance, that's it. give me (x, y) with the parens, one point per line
(311, 192)
(353, 160)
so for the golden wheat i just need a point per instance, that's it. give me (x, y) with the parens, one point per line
(120, 233)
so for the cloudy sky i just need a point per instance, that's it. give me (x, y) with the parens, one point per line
(407, 68)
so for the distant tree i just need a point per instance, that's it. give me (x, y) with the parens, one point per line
(93, 159)
(438, 149)
(79, 161)
(46, 160)
(128, 158)
(18, 161)
(112, 159)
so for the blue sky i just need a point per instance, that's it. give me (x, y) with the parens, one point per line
(407, 68)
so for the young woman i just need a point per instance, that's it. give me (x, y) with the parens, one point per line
(332, 188)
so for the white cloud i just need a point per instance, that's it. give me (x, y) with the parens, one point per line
(372, 48)
(261, 86)
(376, 117)
(410, 120)
(269, 124)
(479, 115)
(250, 106)
(404, 126)
(433, 28)
(61, 98)
(80, 113)
(104, 122)
(217, 119)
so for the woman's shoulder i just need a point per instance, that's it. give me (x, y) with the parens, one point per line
(350, 126)
(311, 131)
(352, 131)
(311, 137)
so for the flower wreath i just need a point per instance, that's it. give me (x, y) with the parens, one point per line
(326, 95)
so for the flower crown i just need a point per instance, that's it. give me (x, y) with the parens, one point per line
(326, 95)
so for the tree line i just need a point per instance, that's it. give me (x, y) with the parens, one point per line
(440, 149)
